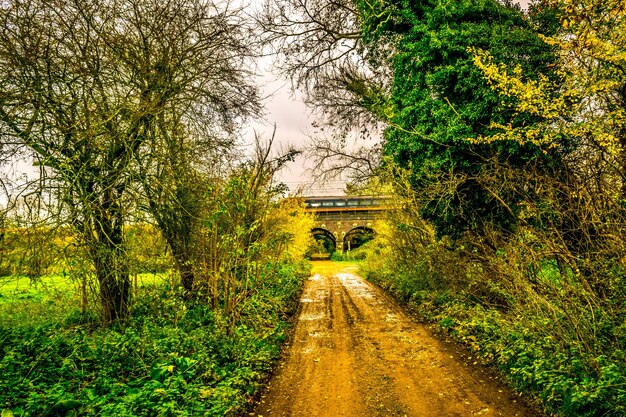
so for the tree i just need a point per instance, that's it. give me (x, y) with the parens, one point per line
(319, 45)
(205, 53)
(582, 117)
(439, 101)
(588, 104)
(86, 88)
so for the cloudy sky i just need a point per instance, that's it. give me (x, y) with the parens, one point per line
(293, 126)
(293, 121)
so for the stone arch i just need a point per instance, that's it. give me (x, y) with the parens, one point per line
(320, 233)
(353, 239)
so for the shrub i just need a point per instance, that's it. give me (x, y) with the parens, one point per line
(553, 324)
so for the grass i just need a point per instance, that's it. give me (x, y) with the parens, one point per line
(25, 301)
(21, 287)
(173, 357)
(18, 287)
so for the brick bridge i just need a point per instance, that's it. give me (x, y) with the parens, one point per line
(342, 220)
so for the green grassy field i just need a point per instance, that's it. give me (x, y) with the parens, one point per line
(22, 287)
(26, 301)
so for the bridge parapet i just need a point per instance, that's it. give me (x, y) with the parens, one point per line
(344, 203)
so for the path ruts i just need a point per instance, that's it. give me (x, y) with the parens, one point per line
(356, 353)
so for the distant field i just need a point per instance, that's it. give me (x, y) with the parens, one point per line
(21, 287)
(332, 267)
(24, 301)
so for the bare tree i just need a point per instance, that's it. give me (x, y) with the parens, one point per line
(92, 88)
(207, 53)
(319, 46)
(333, 158)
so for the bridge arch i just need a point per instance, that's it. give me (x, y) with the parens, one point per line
(345, 222)
(357, 236)
(326, 237)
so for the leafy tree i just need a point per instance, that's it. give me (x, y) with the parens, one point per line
(439, 100)
(588, 105)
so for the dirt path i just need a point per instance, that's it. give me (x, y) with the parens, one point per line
(355, 353)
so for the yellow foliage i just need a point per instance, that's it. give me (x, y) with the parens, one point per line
(587, 101)
(295, 224)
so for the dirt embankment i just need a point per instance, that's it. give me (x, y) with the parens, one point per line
(356, 353)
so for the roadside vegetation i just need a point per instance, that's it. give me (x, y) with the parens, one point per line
(176, 353)
(172, 357)
(511, 237)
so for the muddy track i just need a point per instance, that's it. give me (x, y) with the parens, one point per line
(356, 353)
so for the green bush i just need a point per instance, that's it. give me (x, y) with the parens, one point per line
(359, 254)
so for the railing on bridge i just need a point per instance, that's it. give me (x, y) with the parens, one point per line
(360, 203)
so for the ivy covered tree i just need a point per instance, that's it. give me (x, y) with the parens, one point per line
(440, 101)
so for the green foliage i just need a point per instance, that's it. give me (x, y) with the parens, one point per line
(46, 268)
(174, 357)
(318, 247)
(32, 251)
(360, 253)
(439, 101)
(338, 256)
(147, 249)
(52, 297)
(244, 235)
(23, 303)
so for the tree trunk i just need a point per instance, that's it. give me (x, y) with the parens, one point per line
(182, 256)
(114, 280)
(176, 224)
(105, 237)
